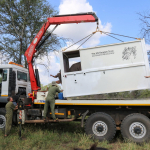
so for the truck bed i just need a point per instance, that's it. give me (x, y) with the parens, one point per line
(132, 102)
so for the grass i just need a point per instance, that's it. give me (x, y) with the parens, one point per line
(60, 136)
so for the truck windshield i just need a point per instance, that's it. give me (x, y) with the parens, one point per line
(21, 76)
(4, 75)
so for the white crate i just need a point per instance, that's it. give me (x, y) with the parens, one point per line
(106, 69)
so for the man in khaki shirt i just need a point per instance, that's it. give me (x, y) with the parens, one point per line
(50, 100)
(10, 107)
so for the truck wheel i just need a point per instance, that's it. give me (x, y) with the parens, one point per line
(136, 127)
(101, 126)
(2, 118)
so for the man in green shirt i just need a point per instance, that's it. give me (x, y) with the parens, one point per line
(10, 107)
(50, 100)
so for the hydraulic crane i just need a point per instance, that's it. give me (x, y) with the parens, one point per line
(37, 43)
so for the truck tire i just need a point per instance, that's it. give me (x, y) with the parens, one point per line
(136, 127)
(101, 126)
(2, 118)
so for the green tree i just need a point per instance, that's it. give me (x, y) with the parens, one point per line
(20, 21)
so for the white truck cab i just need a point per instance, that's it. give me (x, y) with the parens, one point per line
(14, 80)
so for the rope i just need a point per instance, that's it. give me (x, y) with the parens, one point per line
(78, 41)
(113, 37)
(87, 39)
(97, 30)
(122, 35)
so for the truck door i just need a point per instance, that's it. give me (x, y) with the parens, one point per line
(4, 81)
(29, 85)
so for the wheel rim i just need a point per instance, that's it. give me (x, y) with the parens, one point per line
(2, 121)
(137, 130)
(99, 128)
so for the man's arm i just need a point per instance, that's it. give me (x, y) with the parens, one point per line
(56, 76)
(53, 76)
(58, 82)
(58, 90)
(13, 107)
(16, 107)
(147, 76)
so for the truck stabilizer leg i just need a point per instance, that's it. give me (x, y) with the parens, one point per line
(21, 106)
(20, 138)
(20, 122)
(83, 117)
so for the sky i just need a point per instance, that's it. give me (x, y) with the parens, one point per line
(115, 16)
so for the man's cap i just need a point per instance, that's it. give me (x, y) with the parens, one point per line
(53, 82)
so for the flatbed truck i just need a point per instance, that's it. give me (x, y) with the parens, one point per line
(104, 116)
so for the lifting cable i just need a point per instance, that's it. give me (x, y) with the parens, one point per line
(113, 37)
(102, 32)
(86, 39)
(78, 41)
(122, 35)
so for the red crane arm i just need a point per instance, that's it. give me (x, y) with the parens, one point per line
(60, 19)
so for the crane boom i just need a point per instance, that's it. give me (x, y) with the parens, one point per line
(55, 20)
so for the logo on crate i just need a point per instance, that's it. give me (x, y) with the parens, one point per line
(109, 52)
(40, 101)
(128, 51)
